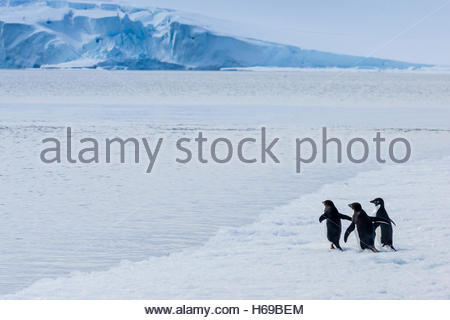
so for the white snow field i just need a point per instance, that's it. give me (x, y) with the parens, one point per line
(284, 254)
(220, 230)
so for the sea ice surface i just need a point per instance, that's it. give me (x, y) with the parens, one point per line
(219, 230)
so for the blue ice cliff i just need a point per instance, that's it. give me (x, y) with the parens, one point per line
(56, 33)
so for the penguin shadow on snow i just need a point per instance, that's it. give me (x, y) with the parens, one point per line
(363, 226)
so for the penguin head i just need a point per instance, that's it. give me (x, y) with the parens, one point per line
(328, 203)
(377, 201)
(355, 206)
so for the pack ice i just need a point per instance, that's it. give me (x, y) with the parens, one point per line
(64, 34)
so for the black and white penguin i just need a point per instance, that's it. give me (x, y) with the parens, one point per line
(364, 227)
(386, 229)
(334, 227)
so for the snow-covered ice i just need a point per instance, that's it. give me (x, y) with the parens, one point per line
(219, 231)
(209, 88)
(284, 255)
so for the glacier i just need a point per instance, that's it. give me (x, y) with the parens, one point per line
(65, 34)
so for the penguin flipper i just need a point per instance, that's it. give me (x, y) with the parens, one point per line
(345, 217)
(322, 217)
(379, 220)
(349, 230)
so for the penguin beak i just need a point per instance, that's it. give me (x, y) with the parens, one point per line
(373, 201)
(350, 205)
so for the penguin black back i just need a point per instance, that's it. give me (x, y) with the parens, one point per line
(364, 227)
(334, 226)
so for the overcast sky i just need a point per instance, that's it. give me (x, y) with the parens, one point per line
(409, 30)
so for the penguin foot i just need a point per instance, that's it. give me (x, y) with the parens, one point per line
(390, 246)
(332, 247)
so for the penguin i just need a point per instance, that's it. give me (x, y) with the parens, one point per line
(386, 229)
(364, 227)
(334, 228)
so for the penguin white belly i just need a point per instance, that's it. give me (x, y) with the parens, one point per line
(358, 243)
(376, 209)
(378, 230)
(378, 236)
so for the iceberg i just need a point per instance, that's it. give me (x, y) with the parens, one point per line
(65, 34)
